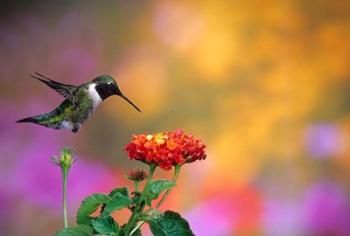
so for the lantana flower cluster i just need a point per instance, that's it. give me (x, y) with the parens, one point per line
(166, 149)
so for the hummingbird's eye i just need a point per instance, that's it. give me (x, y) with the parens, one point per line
(112, 88)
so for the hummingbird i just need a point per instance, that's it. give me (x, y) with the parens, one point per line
(79, 104)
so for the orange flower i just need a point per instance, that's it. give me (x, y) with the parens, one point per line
(166, 149)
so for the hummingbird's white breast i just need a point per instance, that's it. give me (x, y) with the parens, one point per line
(93, 94)
(67, 125)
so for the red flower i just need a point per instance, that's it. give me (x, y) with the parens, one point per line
(166, 149)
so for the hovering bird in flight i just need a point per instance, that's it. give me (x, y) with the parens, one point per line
(80, 102)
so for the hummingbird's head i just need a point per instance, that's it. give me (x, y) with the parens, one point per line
(106, 87)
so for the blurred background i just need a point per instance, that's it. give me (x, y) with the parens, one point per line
(266, 85)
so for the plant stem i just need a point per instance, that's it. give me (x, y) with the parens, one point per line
(139, 224)
(139, 207)
(64, 176)
(152, 168)
(176, 175)
(136, 185)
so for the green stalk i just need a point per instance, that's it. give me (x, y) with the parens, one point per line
(176, 175)
(139, 224)
(64, 161)
(139, 207)
(64, 176)
(136, 185)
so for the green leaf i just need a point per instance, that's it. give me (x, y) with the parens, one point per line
(105, 225)
(90, 205)
(117, 202)
(171, 224)
(156, 187)
(124, 191)
(81, 230)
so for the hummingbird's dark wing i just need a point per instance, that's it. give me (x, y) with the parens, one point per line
(66, 90)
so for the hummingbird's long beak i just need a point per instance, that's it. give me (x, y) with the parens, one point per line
(130, 102)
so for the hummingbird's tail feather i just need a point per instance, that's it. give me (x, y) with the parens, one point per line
(51, 119)
(28, 120)
(43, 119)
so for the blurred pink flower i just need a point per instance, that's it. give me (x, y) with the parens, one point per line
(231, 211)
(212, 217)
(178, 25)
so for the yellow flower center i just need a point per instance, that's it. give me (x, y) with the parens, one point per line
(160, 138)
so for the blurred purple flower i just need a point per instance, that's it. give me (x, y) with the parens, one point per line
(11, 142)
(213, 217)
(322, 140)
(69, 57)
(26, 170)
(39, 44)
(282, 217)
(40, 181)
(327, 210)
(7, 212)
